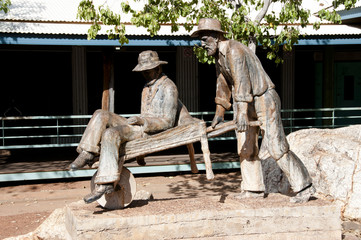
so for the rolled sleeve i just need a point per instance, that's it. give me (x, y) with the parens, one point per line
(223, 92)
(240, 76)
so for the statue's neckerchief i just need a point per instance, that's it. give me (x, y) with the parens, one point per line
(150, 93)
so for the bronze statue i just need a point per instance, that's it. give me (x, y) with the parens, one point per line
(159, 109)
(241, 76)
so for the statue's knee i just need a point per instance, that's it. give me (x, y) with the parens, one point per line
(281, 153)
(248, 152)
(247, 155)
(110, 134)
(98, 112)
(101, 115)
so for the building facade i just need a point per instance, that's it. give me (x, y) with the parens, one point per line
(50, 68)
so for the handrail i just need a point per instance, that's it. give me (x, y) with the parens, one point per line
(65, 131)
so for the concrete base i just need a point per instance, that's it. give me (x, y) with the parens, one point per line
(213, 217)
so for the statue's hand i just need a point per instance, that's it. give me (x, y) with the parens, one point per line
(216, 120)
(242, 123)
(135, 121)
(219, 116)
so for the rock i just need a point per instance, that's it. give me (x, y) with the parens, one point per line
(143, 195)
(54, 226)
(207, 217)
(332, 157)
(275, 181)
(350, 236)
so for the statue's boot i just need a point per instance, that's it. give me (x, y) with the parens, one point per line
(298, 176)
(304, 195)
(140, 160)
(83, 159)
(249, 194)
(98, 192)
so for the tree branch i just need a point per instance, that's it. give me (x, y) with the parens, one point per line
(263, 12)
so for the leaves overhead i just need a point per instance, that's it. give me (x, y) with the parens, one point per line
(269, 29)
(4, 5)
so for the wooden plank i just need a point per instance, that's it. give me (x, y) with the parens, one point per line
(178, 136)
(226, 127)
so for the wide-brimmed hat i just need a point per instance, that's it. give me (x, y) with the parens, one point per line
(148, 60)
(208, 24)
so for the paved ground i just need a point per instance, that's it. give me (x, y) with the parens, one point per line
(24, 207)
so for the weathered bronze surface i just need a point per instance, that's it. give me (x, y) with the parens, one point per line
(115, 138)
(240, 76)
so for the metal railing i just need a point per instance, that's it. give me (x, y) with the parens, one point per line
(66, 131)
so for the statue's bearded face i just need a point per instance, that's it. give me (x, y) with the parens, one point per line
(209, 42)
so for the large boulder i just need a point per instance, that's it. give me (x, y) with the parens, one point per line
(332, 157)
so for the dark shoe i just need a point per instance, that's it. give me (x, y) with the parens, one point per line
(140, 160)
(83, 159)
(98, 192)
(304, 195)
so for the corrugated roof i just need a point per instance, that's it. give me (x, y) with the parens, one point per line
(59, 17)
(42, 10)
(76, 29)
(332, 29)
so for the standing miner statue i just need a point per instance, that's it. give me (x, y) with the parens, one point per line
(241, 76)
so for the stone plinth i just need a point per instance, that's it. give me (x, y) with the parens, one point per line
(207, 218)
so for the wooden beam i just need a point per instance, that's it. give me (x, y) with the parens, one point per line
(106, 79)
(107, 74)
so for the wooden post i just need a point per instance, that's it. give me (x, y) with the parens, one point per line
(108, 83)
(106, 80)
(194, 167)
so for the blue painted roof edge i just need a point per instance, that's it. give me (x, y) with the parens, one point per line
(81, 40)
(350, 14)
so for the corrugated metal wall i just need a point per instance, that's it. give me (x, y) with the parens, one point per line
(288, 86)
(187, 78)
(288, 80)
(80, 86)
(79, 75)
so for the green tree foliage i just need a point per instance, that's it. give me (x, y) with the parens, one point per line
(4, 5)
(235, 16)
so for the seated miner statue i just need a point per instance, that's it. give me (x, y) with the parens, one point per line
(240, 75)
(106, 131)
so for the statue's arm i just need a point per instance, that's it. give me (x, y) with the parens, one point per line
(222, 100)
(242, 88)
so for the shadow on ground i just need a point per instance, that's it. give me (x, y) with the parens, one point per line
(198, 185)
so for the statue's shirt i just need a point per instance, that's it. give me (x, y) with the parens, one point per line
(159, 105)
(242, 70)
